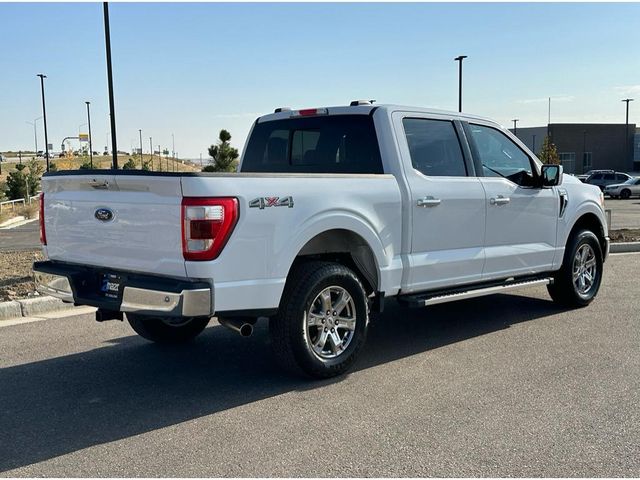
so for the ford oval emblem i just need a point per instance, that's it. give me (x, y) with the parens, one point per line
(104, 214)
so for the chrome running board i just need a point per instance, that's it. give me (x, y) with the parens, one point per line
(425, 299)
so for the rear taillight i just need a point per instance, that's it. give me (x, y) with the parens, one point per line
(43, 234)
(207, 224)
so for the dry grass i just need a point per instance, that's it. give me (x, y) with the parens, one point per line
(27, 211)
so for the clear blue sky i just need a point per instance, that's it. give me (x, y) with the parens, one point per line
(193, 69)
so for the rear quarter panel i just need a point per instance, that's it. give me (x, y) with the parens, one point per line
(251, 271)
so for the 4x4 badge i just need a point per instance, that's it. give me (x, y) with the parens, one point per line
(263, 202)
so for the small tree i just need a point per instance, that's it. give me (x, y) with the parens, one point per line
(16, 186)
(129, 165)
(85, 166)
(146, 166)
(224, 156)
(33, 178)
(549, 153)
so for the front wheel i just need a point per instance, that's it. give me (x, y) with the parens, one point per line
(321, 324)
(167, 330)
(625, 194)
(578, 281)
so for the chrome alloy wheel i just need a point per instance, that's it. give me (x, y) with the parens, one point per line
(330, 322)
(584, 269)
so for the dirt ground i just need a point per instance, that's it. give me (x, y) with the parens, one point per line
(625, 235)
(15, 274)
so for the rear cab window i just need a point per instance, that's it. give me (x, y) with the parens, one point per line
(321, 144)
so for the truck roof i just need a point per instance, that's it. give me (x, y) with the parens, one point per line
(282, 113)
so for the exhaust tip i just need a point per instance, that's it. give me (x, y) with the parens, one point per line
(246, 330)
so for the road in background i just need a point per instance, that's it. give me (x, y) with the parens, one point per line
(24, 237)
(507, 385)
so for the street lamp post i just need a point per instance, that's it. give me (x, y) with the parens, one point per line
(35, 135)
(626, 130)
(90, 143)
(141, 160)
(459, 59)
(151, 151)
(44, 117)
(515, 126)
(107, 39)
(173, 148)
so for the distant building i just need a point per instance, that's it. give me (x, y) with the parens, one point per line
(636, 151)
(587, 146)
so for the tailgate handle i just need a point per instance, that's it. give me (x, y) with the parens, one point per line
(101, 184)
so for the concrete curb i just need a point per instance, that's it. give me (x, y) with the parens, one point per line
(10, 310)
(12, 221)
(60, 314)
(31, 307)
(624, 247)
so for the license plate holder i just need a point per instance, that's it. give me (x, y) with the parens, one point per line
(110, 285)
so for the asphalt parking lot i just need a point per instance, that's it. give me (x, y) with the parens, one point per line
(508, 385)
(624, 213)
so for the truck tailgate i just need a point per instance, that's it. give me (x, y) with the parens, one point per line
(144, 233)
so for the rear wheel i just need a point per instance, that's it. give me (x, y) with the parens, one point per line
(578, 281)
(166, 329)
(625, 194)
(322, 320)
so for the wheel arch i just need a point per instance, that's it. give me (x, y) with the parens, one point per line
(346, 247)
(590, 221)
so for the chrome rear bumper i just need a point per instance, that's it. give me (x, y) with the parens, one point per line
(137, 293)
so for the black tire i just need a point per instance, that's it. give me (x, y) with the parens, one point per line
(293, 339)
(167, 331)
(625, 194)
(564, 290)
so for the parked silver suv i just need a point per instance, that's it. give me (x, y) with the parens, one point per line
(602, 179)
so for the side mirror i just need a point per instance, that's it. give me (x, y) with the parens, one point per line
(551, 175)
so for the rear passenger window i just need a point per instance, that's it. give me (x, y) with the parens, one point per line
(621, 178)
(434, 147)
(609, 176)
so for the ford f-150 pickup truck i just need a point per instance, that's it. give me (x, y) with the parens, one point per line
(333, 212)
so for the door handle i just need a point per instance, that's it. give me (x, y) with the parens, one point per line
(428, 201)
(500, 200)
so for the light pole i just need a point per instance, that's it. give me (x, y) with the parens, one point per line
(459, 59)
(626, 131)
(151, 151)
(35, 135)
(44, 117)
(173, 148)
(141, 160)
(90, 144)
(515, 126)
(107, 40)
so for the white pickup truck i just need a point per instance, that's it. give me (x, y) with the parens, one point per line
(333, 211)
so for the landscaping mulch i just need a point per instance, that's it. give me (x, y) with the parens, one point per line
(16, 280)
